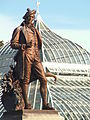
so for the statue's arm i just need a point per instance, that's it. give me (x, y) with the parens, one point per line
(39, 38)
(15, 39)
(48, 74)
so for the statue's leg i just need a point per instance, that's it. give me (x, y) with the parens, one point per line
(39, 72)
(25, 83)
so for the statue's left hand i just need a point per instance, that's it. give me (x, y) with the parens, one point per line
(48, 74)
(55, 79)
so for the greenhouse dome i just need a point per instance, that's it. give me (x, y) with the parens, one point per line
(69, 62)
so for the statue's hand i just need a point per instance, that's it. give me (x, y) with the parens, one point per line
(23, 47)
(55, 79)
(29, 45)
(48, 74)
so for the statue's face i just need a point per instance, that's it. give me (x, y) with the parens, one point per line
(30, 19)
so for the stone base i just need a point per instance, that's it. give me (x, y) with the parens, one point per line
(12, 115)
(32, 115)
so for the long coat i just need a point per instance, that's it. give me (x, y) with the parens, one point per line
(20, 37)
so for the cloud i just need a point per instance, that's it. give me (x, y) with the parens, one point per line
(81, 37)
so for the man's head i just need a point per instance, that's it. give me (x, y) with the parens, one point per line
(29, 16)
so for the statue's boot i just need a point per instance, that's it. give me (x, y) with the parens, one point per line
(47, 107)
(24, 93)
(43, 91)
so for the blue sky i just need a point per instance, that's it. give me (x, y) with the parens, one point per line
(68, 18)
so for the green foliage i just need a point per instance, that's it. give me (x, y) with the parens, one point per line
(1, 43)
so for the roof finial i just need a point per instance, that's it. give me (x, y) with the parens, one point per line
(37, 4)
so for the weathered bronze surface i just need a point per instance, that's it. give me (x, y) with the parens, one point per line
(12, 98)
(27, 40)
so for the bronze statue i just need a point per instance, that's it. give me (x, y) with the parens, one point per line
(27, 40)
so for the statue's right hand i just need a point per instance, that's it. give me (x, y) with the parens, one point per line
(23, 46)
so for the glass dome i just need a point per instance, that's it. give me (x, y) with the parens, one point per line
(71, 93)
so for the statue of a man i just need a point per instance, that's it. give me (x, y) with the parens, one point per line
(27, 40)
